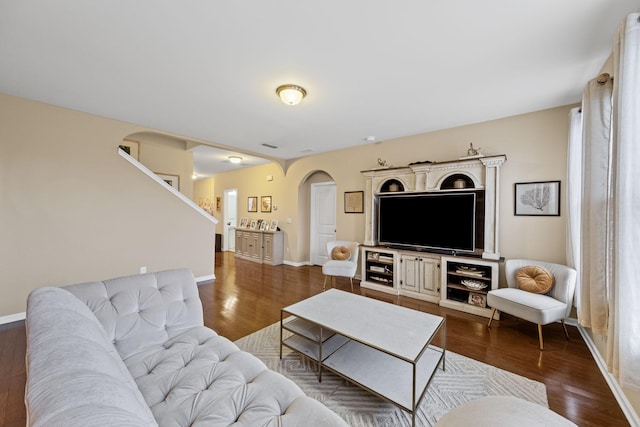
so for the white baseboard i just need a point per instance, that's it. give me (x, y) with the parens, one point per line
(296, 264)
(12, 318)
(617, 391)
(205, 278)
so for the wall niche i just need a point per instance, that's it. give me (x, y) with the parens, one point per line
(391, 186)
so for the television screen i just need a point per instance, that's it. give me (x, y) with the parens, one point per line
(439, 221)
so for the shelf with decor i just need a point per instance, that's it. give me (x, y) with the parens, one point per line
(378, 267)
(466, 282)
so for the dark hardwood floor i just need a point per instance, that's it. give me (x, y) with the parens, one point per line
(246, 297)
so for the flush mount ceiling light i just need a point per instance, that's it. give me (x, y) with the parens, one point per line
(235, 159)
(291, 94)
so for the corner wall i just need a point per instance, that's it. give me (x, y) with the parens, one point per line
(72, 210)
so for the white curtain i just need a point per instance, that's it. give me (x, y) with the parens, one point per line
(574, 189)
(609, 301)
(623, 341)
(596, 158)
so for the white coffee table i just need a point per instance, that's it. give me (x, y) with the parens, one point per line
(384, 348)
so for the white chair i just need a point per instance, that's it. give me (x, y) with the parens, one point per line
(536, 308)
(341, 268)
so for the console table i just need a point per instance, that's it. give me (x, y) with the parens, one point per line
(384, 348)
(265, 247)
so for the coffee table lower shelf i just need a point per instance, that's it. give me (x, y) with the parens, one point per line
(385, 375)
(381, 374)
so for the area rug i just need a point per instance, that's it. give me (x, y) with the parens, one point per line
(464, 380)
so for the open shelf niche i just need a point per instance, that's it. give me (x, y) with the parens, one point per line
(478, 174)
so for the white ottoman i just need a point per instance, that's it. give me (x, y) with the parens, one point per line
(497, 411)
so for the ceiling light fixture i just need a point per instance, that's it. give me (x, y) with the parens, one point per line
(291, 94)
(235, 159)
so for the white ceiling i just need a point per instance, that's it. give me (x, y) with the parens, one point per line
(208, 70)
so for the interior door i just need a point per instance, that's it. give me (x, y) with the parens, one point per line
(323, 220)
(230, 220)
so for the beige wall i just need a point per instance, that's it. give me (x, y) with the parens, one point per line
(535, 145)
(72, 209)
(166, 155)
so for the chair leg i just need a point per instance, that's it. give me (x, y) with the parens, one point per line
(324, 285)
(351, 280)
(564, 327)
(540, 337)
(493, 312)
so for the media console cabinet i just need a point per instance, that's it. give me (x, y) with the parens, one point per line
(455, 281)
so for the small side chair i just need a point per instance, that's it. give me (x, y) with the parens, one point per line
(339, 264)
(540, 309)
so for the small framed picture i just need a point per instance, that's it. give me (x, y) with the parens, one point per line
(537, 198)
(264, 226)
(244, 222)
(353, 201)
(252, 204)
(132, 148)
(259, 224)
(254, 223)
(218, 203)
(477, 299)
(265, 204)
(172, 180)
(274, 225)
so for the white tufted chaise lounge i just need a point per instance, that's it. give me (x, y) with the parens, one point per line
(133, 351)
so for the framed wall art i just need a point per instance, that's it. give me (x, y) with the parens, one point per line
(353, 201)
(172, 180)
(132, 148)
(252, 204)
(273, 226)
(537, 198)
(265, 204)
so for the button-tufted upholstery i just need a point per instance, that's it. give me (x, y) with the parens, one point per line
(146, 348)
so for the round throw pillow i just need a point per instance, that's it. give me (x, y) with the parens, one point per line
(340, 253)
(533, 278)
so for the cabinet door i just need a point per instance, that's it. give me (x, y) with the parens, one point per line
(430, 276)
(268, 247)
(239, 235)
(244, 244)
(410, 272)
(255, 246)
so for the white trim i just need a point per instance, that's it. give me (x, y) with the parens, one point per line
(169, 188)
(205, 278)
(296, 264)
(12, 318)
(617, 391)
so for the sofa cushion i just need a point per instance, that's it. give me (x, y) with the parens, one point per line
(201, 378)
(75, 376)
(143, 310)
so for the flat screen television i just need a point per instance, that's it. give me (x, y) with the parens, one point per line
(428, 221)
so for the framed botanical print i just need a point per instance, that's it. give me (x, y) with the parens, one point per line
(537, 198)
